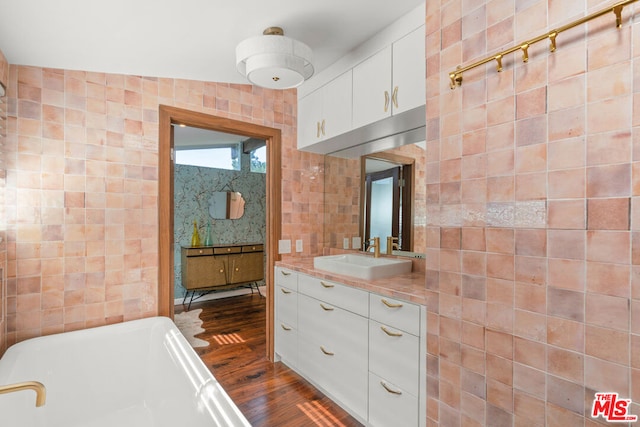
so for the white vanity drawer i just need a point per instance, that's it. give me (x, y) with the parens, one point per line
(338, 374)
(332, 327)
(347, 297)
(395, 355)
(396, 313)
(390, 405)
(286, 343)
(287, 305)
(286, 277)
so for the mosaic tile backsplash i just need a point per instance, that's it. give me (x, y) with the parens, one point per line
(193, 187)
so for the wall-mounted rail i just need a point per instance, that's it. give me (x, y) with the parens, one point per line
(456, 76)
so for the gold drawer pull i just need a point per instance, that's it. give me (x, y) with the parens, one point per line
(386, 101)
(326, 285)
(390, 304)
(284, 291)
(237, 268)
(328, 353)
(285, 273)
(389, 389)
(200, 251)
(325, 308)
(394, 97)
(221, 270)
(390, 333)
(286, 328)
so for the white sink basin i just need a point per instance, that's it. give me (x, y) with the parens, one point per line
(362, 266)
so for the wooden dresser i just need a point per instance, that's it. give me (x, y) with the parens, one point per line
(207, 268)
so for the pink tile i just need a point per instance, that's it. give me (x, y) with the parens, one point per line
(608, 214)
(608, 246)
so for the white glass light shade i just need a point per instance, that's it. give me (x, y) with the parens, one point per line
(274, 61)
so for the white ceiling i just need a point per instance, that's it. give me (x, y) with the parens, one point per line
(191, 39)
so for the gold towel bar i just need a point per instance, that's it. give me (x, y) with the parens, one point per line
(456, 76)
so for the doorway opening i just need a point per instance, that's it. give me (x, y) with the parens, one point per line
(166, 157)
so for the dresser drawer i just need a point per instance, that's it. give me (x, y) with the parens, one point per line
(287, 305)
(287, 278)
(198, 251)
(346, 297)
(253, 248)
(390, 405)
(395, 313)
(227, 250)
(395, 356)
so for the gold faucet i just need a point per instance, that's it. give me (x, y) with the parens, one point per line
(375, 246)
(391, 245)
(41, 392)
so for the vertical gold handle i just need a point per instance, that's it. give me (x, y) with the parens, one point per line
(390, 304)
(389, 389)
(326, 285)
(322, 128)
(328, 353)
(394, 97)
(386, 101)
(318, 130)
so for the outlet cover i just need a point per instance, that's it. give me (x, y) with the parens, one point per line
(284, 246)
(299, 245)
(345, 243)
(356, 242)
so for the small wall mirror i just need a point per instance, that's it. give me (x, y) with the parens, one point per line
(226, 205)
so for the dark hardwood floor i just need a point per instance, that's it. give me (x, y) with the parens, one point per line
(268, 394)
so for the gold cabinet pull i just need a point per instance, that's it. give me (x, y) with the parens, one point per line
(390, 333)
(285, 273)
(394, 97)
(322, 128)
(389, 389)
(325, 308)
(390, 304)
(284, 291)
(318, 130)
(285, 327)
(328, 353)
(326, 285)
(237, 268)
(386, 101)
(221, 270)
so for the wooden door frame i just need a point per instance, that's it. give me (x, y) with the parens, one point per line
(173, 115)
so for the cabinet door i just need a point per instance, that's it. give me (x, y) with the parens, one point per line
(309, 118)
(372, 89)
(336, 106)
(409, 73)
(248, 267)
(204, 272)
(389, 405)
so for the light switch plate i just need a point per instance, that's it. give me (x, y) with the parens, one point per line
(345, 243)
(299, 245)
(356, 242)
(284, 246)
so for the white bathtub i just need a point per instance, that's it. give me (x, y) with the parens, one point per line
(139, 373)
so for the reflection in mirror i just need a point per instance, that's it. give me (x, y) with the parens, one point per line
(226, 205)
(350, 211)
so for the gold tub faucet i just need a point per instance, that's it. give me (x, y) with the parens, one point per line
(38, 387)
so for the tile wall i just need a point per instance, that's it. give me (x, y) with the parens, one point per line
(4, 73)
(82, 183)
(533, 267)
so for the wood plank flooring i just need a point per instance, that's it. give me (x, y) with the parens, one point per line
(268, 394)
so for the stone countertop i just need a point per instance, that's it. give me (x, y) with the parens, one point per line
(408, 287)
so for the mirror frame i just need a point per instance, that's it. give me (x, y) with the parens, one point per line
(172, 115)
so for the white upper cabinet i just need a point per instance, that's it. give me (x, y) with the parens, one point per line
(391, 81)
(326, 112)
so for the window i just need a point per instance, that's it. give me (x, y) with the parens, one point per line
(224, 157)
(259, 159)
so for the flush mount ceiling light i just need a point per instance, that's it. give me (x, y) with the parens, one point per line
(273, 60)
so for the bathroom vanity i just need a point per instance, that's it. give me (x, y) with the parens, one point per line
(356, 341)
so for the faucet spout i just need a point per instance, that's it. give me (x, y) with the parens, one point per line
(38, 387)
